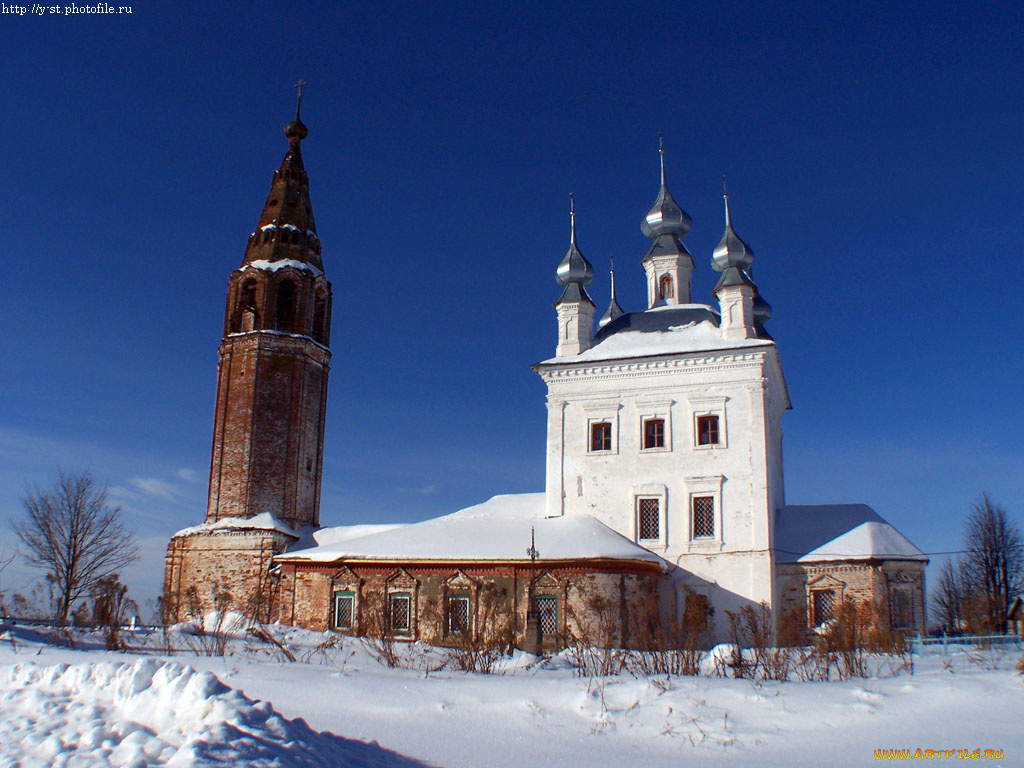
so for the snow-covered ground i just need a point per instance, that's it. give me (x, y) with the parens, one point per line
(338, 706)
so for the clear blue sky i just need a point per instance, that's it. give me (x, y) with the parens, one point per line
(874, 157)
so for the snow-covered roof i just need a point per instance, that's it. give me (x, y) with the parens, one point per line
(498, 529)
(816, 533)
(265, 521)
(666, 330)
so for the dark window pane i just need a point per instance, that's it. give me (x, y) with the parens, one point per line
(601, 436)
(547, 610)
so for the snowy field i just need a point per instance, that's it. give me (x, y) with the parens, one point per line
(340, 707)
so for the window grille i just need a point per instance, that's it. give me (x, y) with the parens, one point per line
(650, 518)
(400, 610)
(824, 605)
(902, 612)
(344, 604)
(707, 430)
(547, 615)
(601, 436)
(458, 615)
(654, 433)
(703, 517)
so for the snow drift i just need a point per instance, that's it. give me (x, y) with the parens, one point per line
(157, 713)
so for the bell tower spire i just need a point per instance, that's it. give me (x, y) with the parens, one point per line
(274, 360)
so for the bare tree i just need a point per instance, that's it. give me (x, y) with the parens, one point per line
(72, 533)
(949, 596)
(994, 560)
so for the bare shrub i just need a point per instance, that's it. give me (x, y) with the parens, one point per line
(593, 642)
(111, 608)
(678, 650)
(479, 649)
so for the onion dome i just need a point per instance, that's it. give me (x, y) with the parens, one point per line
(574, 271)
(731, 251)
(665, 216)
(614, 310)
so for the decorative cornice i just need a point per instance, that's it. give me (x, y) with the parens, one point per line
(629, 369)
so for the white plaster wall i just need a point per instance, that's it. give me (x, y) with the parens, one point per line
(744, 474)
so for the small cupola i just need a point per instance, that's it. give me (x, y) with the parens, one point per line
(574, 307)
(667, 263)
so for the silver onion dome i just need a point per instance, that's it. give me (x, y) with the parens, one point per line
(731, 251)
(574, 267)
(665, 216)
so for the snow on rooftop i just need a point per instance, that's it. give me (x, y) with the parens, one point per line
(265, 521)
(273, 266)
(498, 529)
(816, 533)
(657, 335)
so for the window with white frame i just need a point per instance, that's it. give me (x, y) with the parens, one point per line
(344, 609)
(458, 615)
(703, 511)
(400, 612)
(709, 427)
(648, 523)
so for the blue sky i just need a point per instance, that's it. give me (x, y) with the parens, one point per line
(875, 167)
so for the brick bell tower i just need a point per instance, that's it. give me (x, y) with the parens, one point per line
(268, 430)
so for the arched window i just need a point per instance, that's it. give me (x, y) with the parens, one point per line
(666, 289)
(286, 306)
(244, 316)
(320, 318)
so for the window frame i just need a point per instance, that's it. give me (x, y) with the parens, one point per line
(816, 621)
(709, 418)
(395, 596)
(650, 422)
(694, 498)
(703, 407)
(658, 512)
(592, 426)
(696, 487)
(540, 614)
(467, 630)
(905, 592)
(343, 594)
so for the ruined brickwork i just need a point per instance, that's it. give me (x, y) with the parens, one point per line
(613, 597)
(230, 565)
(865, 583)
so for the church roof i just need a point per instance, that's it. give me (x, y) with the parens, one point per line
(828, 532)
(664, 330)
(498, 529)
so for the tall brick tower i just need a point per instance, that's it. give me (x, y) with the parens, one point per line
(268, 431)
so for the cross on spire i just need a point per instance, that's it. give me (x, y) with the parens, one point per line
(298, 87)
